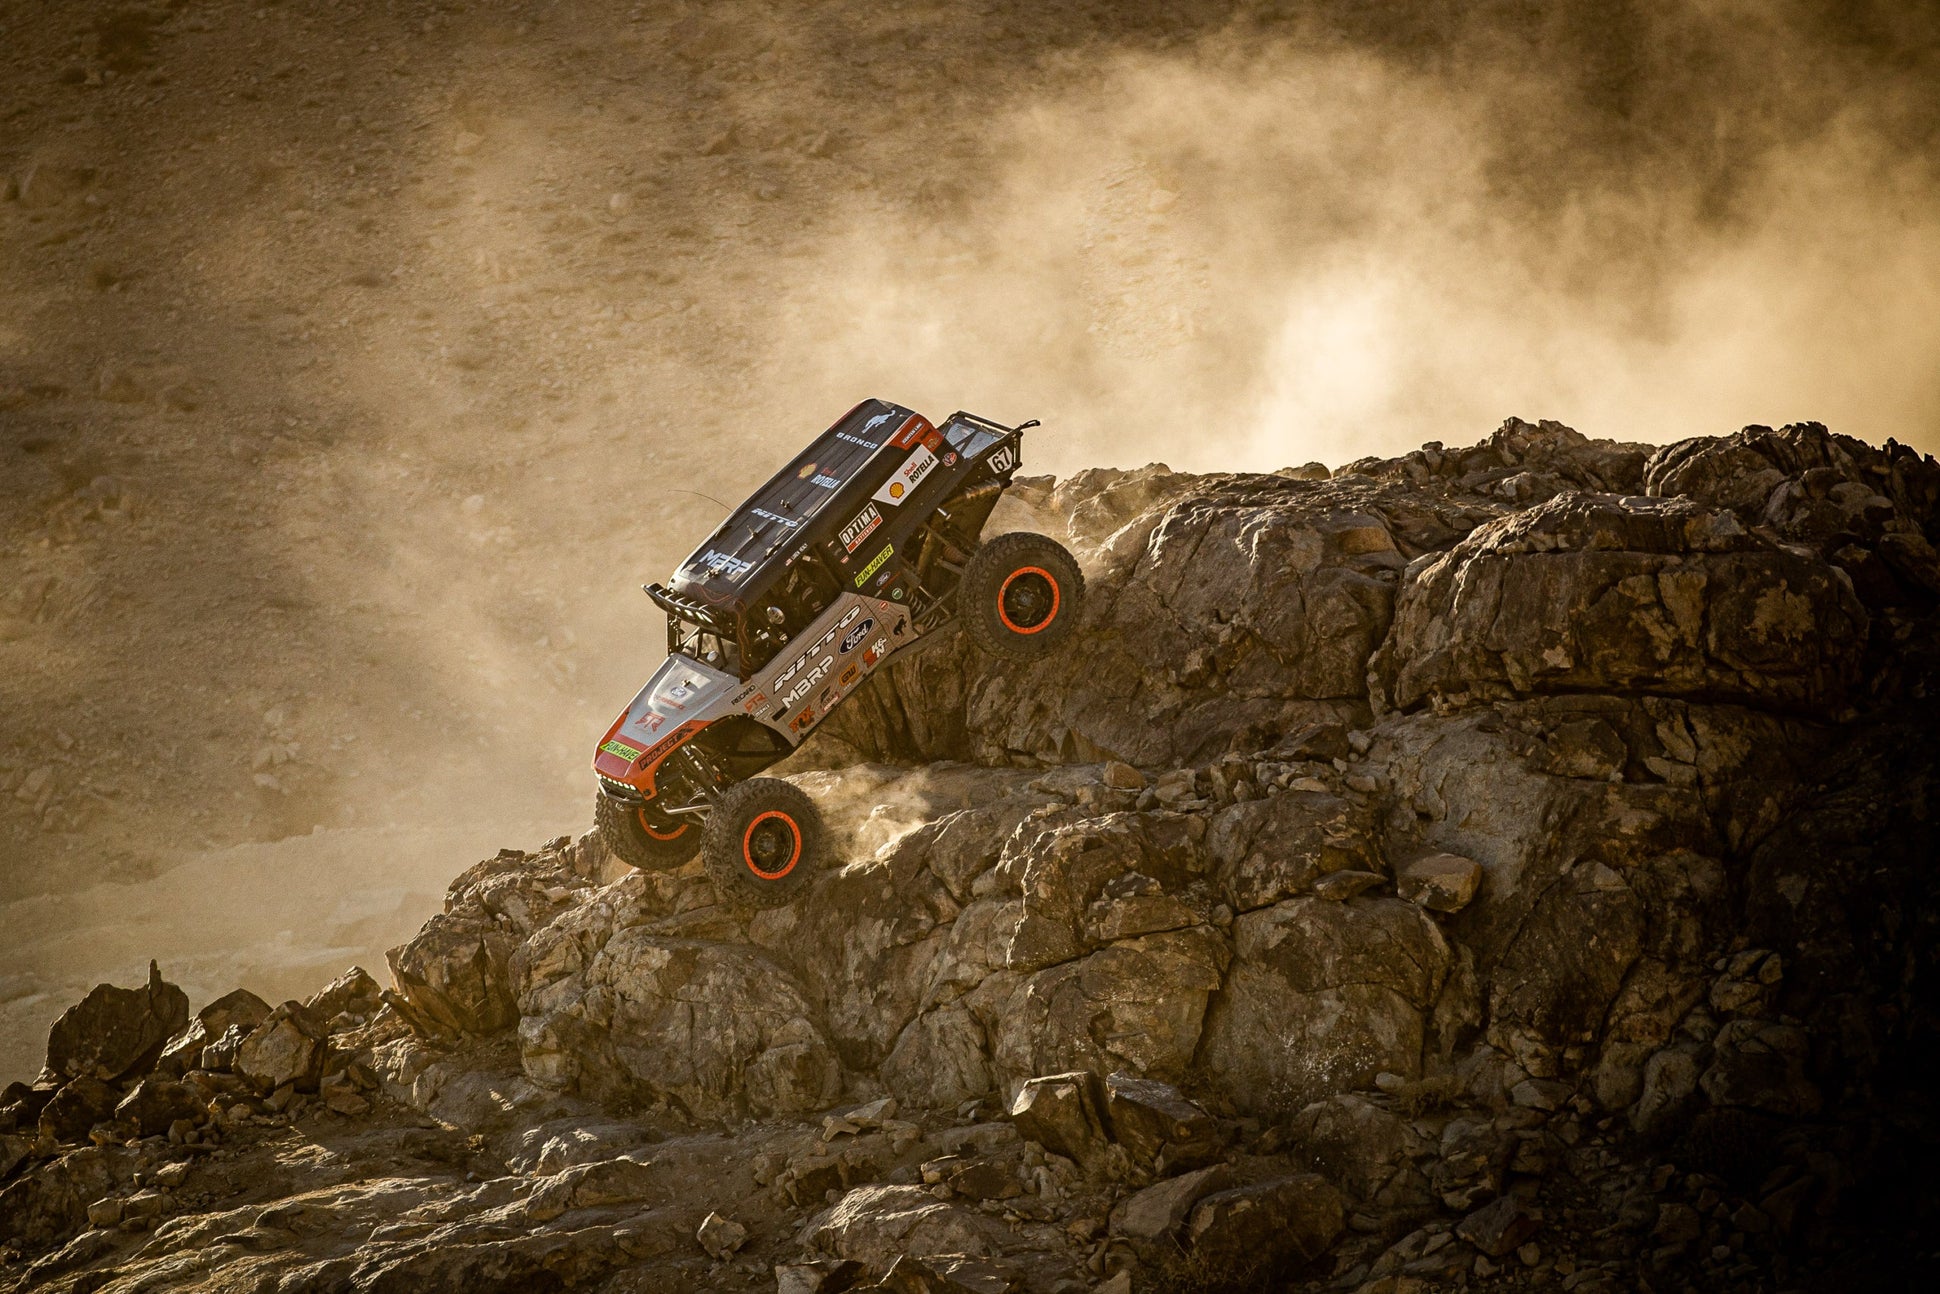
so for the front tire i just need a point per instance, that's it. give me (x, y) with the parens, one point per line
(1020, 596)
(641, 838)
(762, 844)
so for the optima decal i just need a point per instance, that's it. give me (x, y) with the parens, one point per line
(861, 528)
(875, 564)
(910, 475)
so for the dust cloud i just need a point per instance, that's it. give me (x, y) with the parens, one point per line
(357, 366)
(1249, 254)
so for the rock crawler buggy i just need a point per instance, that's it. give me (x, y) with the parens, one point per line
(867, 543)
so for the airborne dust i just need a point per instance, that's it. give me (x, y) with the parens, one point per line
(358, 362)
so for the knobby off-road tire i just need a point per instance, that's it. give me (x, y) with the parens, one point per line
(641, 838)
(1020, 596)
(762, 844)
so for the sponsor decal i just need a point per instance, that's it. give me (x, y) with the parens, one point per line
(849, 676)
(856, 440)
(897, 593)
(753, 703)
(826, 482)
(775, 517)
(803, 721)
(806, 683)
(620, 748)
(884, 578)
(808, 470)
(911, 432)
(933, 440)
(877, 650)
(910, 475)
(726, 565)
(875, 564)
(950, 459)
(861, 528)
(856, 635)
(1004, 458)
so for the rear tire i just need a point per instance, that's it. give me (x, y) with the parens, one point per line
(641, 838)
(762, 844)
(1020, 596)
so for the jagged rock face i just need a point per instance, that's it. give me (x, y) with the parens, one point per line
(1591, 703)
(1601, 594)
(1545, 820)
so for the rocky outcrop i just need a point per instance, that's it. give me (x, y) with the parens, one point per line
(1503, 859)
(114, 1032)
(1604, 594)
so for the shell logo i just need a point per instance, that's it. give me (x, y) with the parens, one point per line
(896, 490)
(808, 470)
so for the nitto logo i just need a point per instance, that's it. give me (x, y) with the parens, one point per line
(856, 635)
(861, 528)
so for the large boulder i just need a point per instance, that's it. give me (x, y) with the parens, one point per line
(1871, 510)
(1137, 1005)
(153, 1105)
(1600, 593)
(718, 1029)
(113, 1033)
(1323, 996)
(1258, 1228)
(288, 1048)
(878, 1224)
(456, 973)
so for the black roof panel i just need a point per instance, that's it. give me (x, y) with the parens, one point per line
(737, 564)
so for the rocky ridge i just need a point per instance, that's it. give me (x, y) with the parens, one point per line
(1503, 867)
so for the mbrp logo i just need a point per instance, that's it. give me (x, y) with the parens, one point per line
(856, 635)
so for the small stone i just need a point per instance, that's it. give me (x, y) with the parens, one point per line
(105, 1213)
(1338, 887)
(1540, 1094)
(1498, 1227)
(1529, 1255)
(1158, 1124)
(721, 1236)
(1123, 776)
(1161, 1209)
(1439, 882)
(287, 1049)
(1064, 1113)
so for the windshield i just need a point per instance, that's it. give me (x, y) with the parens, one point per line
(705, 645)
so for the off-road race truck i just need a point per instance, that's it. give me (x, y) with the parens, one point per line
(868, 543)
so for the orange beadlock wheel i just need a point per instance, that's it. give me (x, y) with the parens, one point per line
(762, 843)
(772, 844)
